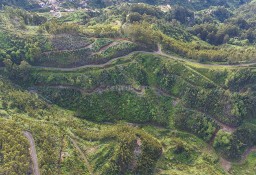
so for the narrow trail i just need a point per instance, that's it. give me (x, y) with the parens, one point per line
(85, 66)
(226, 127)
(139, 91)
(158, 52)
(114, 43)
(107, 46)
(136, 153)
(90, 45)
(161, 92)
(32, 151)
(60, 154)
(226, 165)
(90, 169)
(246, 154)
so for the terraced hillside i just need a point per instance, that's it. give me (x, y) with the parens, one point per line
(128, 89)
(78, 146)
(64, 145)
(136, 95)
(147, 79)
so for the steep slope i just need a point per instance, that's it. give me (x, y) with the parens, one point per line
(59, 137)
(63, 142)
(129, 88)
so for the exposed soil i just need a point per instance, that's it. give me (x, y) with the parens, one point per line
(246, 154)
(32, 151)
(137, 153)
(226, 128)
(107, 46)
(226, 165)
(158, 52)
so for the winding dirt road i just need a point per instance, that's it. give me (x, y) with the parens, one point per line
(86, 66)
(158, 52)
(224, 163)
(32, 151)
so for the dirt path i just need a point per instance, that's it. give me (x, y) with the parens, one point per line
(224, 127)
(114, 43)
(159, 52)
(246, 154)
(83, 156)
(161, 92)
(85, 66)
(107, 46)
(139, 91)
(32, 151)
(136, 153)
(60, 154)
(226, 165)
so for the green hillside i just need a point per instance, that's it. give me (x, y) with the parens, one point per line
(111, 87)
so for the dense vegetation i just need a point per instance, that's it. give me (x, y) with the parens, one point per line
(110, 87)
